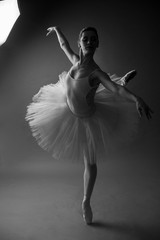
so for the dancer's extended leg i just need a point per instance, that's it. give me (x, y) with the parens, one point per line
(126, 78)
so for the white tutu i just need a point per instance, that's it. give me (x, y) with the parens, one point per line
(69, 137)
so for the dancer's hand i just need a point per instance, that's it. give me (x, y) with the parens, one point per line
(143, 107)
(51, 30)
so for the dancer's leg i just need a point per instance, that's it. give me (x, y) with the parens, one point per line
(126, 78)
(90, 174)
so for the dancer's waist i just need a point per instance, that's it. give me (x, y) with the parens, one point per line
(81, 110)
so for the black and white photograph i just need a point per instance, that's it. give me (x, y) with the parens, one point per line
(79, 120)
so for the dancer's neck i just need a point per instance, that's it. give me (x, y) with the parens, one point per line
(86, 60)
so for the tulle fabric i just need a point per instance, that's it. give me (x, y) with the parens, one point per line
(68, 137)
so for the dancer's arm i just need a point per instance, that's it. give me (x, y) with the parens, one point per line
(64, 44)
(124, 92)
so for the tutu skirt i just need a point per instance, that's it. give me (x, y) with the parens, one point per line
(68, 137)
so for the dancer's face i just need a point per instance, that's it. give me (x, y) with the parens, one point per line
(88, 42)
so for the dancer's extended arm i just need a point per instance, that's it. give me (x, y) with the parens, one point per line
(124, 92)
(64, 44)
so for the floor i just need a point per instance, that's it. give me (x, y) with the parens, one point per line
(41, 200)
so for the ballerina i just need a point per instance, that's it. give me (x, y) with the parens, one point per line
(84, 113)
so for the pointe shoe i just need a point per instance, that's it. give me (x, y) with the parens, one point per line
(87, 212)
(128, 76)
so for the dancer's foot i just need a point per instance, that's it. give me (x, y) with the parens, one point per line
(87, 212)
(128, 76)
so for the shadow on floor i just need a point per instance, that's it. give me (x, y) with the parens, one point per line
(139, 232)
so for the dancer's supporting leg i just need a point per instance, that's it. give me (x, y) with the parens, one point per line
(90, 174)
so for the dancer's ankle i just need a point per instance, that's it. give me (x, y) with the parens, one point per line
(86, 199)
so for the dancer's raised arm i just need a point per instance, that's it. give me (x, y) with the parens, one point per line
(64, 44)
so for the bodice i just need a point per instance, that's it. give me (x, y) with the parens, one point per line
(80, 95)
